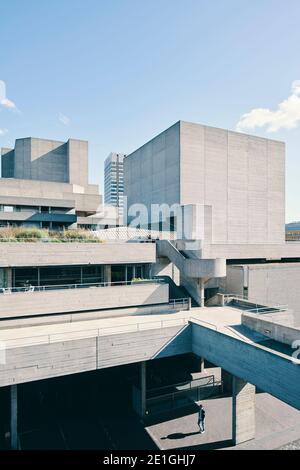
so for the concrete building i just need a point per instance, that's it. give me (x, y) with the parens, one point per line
(45, 184)
(231, 189)
(76, 307)
(114, 182)
(239, 180)
(292, 231)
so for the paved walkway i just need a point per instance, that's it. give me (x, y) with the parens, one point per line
(277, 424)
(213, 317)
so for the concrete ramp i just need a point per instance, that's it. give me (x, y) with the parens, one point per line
(269, 370)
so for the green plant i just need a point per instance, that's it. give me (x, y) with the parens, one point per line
(137, 279)
(28, 234)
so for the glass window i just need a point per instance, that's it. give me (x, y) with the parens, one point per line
(118, 273)
(61, 275)
(24, 277)
(129, 273)
(8, 208)
(92, 274)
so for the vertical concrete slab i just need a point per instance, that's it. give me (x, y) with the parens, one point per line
(227, 379)
(202, 292)
(14, 417)
(143, 388)
(8, 277)
(243, 411)
(107, 274)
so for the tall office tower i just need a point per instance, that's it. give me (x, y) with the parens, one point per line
(114, 182)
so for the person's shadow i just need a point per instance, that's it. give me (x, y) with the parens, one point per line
(180, 435)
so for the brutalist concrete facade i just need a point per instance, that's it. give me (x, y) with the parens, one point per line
(241, 178)
(45, 183)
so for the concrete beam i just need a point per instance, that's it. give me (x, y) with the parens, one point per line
(243, 411)
(271, 371)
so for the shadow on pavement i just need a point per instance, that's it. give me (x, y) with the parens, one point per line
(162, 416)
(210, 445)
(180, 435)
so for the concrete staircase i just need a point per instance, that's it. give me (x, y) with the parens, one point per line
(177, 292)
(189, 264)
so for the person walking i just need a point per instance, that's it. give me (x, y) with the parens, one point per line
(201, 419)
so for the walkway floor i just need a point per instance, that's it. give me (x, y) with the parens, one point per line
(277, 424)
(22, 336)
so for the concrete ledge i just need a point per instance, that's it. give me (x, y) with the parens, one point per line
(57, 254)
(63, 357)
(268, 326)
(75, 300)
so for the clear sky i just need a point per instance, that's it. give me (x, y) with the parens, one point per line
(117, 72)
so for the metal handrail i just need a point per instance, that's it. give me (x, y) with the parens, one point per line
(30, 288)
(209, 378)
(203, 321)
(178, 393)
(49, 240)
(72, 240)
(258, 305)
(268, 309)
(174, 302)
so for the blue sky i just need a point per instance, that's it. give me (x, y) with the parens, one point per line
(117, 72)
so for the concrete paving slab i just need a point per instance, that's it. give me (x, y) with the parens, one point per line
(277, 424)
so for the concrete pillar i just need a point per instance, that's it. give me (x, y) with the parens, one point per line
(14, 417)
(202, 294)
(227, 379)
(201, 368)
(143, 385)
(107, 274)
(243, 411)
(8, 277)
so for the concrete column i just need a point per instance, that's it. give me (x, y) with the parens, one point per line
(201, 368)
(202, 295)
(8, 277)
(143, 385)
(227, 379)
(107, 274)
(243, 411)
(14, 417)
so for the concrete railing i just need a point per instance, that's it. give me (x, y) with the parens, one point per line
(49, 302)
(48, 254)
(124, 328)
(271, 326)
(30, 288)
(250, 305)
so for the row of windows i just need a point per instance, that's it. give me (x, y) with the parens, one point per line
(64, 275)
(40, 209)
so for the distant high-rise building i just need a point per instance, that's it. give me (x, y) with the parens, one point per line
(114, 182)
